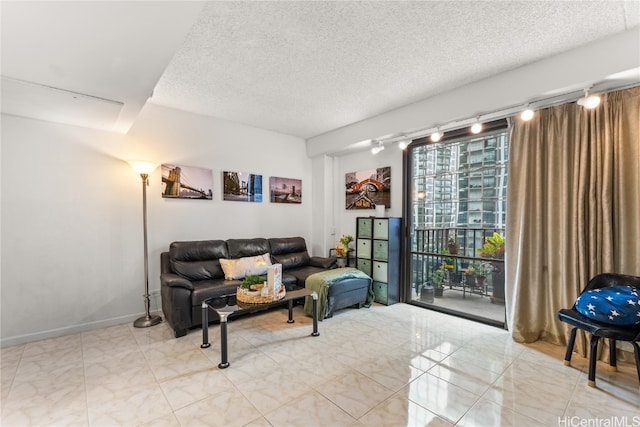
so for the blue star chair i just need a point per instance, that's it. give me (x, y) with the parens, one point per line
(605, 312)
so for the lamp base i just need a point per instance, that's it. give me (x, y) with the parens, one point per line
(146, 321)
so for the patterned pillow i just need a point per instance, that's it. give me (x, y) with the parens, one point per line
(239, 268)
(614, 305)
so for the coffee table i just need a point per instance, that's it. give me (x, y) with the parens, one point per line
(227, 305)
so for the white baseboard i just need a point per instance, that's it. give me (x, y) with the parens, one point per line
(59, 332)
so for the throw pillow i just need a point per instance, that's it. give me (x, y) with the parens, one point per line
(614, 305)
(241, 267)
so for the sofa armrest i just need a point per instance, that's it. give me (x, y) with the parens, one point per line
(173, 280)
(323, 262)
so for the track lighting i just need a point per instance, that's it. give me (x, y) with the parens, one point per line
(589, 101)
(477, 127)
(379, 148)
(527, 114)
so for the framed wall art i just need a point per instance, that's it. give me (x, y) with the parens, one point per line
(186, 182)
(241, 187)
(285, 190)
(369, 188)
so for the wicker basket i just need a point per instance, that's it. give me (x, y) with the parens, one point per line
(253, 297)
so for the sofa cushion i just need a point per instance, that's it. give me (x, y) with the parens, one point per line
(285, 245)
(240, 248)
(198, 260)
(301, 273)
(293, 260)
(247, 266)
(291, 252)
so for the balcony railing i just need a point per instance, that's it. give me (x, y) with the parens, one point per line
(430, 251)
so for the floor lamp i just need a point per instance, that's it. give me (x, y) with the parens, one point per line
(144, 169)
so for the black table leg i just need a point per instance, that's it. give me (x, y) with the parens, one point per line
(290, 312)
(315, 332)
(205, 326)
(224, 363)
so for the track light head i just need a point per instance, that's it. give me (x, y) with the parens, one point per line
(589, 101)
(436, 136)
(379, 148)
(527, 114)
(476, 128)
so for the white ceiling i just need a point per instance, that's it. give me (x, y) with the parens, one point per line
(300, 68)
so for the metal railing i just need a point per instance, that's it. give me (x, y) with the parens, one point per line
(430, 250)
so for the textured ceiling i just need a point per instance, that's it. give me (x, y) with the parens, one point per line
(302, 68)
(305, 68)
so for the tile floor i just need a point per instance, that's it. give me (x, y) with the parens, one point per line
(384, 366)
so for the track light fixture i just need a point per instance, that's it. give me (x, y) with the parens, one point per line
(589, 101)
(477, 127)
(525, 112)
(379, 148)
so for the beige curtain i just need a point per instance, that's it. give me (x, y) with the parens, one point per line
(573, 209)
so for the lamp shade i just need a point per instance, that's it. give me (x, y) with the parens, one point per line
(143, 167)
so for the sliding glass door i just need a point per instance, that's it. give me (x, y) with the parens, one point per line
(456, 213)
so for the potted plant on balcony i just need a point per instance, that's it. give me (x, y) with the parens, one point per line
(482, 271)
(470, 273)
(342, 249)
(493, 246)
(437, 278)
(452, 243)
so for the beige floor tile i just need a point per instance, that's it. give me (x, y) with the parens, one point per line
(440, 397)
(246, 367)
(393, 373)
(190, 388)
(470, 377)
(168, 420)
(542, 397)
(55, 369)
(273, 389)
(489, 414)
(354, 393)
(400, 411)
(312, 409)
(113, 404)
(69, 346)
(174, 359)
(228, 408)
(620, 389)
(44, 403)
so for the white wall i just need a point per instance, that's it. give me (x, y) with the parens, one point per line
(345, 220)
(71, 233)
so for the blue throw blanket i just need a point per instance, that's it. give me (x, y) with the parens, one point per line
(320, 283)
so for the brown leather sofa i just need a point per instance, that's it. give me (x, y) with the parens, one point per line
(190, 273)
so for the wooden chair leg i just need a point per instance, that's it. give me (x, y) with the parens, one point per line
(613, 366)
(570, 343)
(591, 382)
